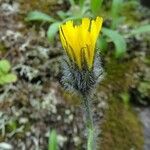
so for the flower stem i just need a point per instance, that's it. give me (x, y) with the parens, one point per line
(89, 123)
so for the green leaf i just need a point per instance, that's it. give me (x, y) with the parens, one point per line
(53, 144)
(52, 30)
(62, 15)
(96, 6)
(4, 66)
(102, 44)
(125, 97)
(118, 40)
(75, 18)
(8, 78)
(115, 10)
(84, 11)
(72, 2)
(116, 22)
(39, 16)
(140, 30)
(11, 126)
(81, 3)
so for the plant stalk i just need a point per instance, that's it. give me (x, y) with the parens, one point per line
(89, 123)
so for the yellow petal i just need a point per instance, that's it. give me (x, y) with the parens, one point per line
(94, 32)
(81, 39)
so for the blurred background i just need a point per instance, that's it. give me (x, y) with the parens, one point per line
(35, 111)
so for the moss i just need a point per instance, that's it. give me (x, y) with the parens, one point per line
(71, 99)
(2, 139)
(121, 129)
(34, 4)
(3, 49)
(46, 6)
(119, 76)
(132, 16)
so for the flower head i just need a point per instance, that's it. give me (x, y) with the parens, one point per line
(79, 41)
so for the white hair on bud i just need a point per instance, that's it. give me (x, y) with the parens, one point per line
(84, 80)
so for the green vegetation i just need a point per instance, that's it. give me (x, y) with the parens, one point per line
(118, 40)
(53, 144)
(5, 75)
(115, 13)
(96, 6)
(30, 47)
(116, 71)
(121, 129)
(92, 9)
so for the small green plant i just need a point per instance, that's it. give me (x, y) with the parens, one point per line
(118, 40)
(76, 11)
(110, 35)
(140, 30)
(5, 75)
(125, 98)
(53, 144)
(92, 8)
(115, 13)
(11, 126)
(95, 6)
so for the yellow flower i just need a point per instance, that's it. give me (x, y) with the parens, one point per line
(79, 40)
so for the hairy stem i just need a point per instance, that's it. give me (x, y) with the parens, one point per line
(89, 122)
